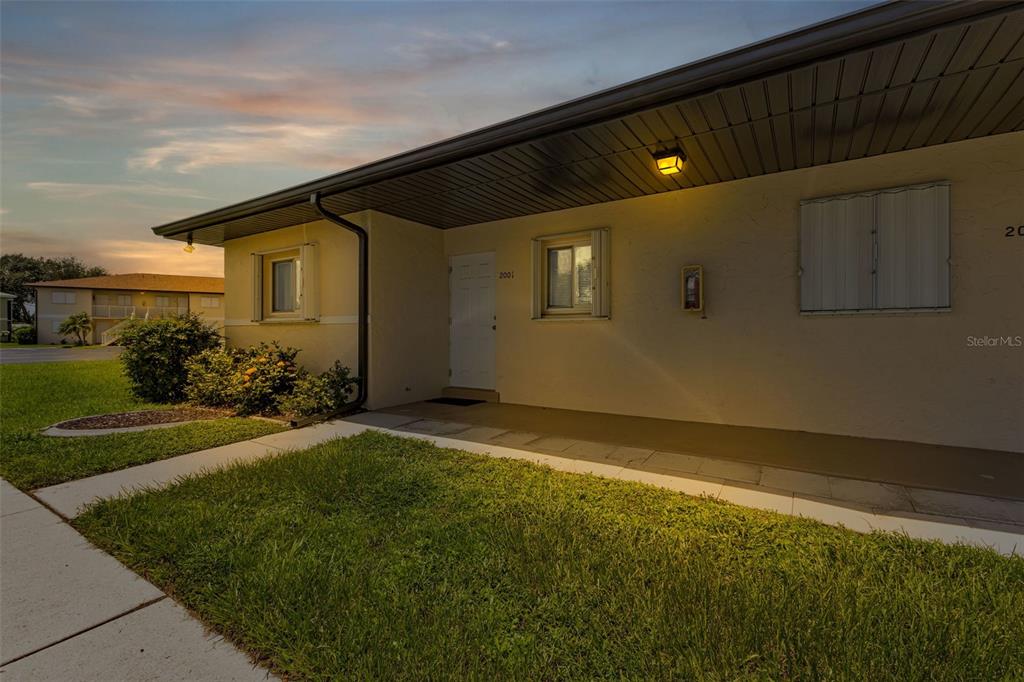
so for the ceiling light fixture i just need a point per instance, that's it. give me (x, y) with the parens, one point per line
(669, 163)
(188, 247)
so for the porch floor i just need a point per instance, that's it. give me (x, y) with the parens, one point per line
(984, 487)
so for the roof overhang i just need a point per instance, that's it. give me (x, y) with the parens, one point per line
(895, 76)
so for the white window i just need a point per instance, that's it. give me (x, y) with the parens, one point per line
(285, 284)
(124, 299)
(570, 275)
(63, 297)
(882, 250)
(209, 302)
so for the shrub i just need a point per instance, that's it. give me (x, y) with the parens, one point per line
(78, 325)
(263, 374)
(319, 394)
(156, 352)
(211, 378)
(24, 335)
(264, 379)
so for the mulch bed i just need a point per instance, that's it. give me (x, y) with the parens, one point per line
(143, 418)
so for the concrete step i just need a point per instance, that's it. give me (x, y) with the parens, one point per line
(471, 394)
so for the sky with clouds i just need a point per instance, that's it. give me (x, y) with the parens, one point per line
(118, 116)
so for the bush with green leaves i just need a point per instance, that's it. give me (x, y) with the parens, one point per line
(319, 394)
(212, 380)
(156, 353)
(78, 326)
(263, 373)
(24, 335)
(265, 379)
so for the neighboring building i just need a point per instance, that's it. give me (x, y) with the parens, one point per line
(852, 191)
(6, 315)
(112, 299)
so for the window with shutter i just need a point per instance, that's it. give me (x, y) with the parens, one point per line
(881, 250)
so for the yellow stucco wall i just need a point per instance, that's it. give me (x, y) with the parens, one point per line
(334, 337)
(48, 312)
(408, 303)
(408, 311)
(111, 311)
(214, 316)
(755, 360)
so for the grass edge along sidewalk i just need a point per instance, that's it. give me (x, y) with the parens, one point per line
(33, 396)
(385, 557)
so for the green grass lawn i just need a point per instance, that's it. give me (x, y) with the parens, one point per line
(378, 557)
(34, 396)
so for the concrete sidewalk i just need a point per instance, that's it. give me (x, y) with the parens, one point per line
(72, 612)
(69, 499)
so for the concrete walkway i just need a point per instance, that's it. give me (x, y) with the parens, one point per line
(880, 497)
(970, 471)
(859, 505)
(72, 612)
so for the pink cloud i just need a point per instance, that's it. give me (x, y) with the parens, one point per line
(188, 150)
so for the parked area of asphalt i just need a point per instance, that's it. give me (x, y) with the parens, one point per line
(24, 356)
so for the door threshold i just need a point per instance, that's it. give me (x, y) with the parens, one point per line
(484, 394)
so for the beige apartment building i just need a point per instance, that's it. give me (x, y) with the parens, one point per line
(820, 232)
(111, 300)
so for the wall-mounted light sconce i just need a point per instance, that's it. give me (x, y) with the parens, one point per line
(670, 162)
(188, 247)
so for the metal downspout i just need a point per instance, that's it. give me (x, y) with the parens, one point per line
(364, 301)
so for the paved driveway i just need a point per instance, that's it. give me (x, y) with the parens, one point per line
(22, 356)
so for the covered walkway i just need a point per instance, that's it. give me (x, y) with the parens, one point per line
(980, 487)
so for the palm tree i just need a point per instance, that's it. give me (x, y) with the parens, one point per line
(78, 325)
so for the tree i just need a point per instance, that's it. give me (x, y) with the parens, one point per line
(78, 325)
(17, 270)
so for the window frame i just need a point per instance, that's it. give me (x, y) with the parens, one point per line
(306, 286)
(70, 297)
(598, 308)
(575, 307)
(209, 302)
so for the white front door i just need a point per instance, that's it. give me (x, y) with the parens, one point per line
(471, 282)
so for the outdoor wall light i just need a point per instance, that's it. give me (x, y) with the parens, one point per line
(669, 163)
(188, 247)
